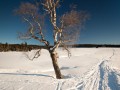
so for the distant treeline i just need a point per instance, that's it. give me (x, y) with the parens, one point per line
(96, 45)
(25, 47)
(18, 47)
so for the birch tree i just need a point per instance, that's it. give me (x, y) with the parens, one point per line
(66, 28)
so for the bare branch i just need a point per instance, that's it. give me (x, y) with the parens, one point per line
(31, 15)
(24, 36)
(68, 51)
(57, 3)
(71, 24)
(56, 46)
(50, 7)
(37, 54)
(40, 28)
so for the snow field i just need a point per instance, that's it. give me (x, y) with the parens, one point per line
(87, 69)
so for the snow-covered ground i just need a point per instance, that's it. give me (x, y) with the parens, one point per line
(87, 69)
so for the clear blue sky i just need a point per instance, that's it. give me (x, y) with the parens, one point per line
(102, 28)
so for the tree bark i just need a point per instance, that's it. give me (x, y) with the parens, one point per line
(55, 65)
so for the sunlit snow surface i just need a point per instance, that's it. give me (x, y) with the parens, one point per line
(87, 69)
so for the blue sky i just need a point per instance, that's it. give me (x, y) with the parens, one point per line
(102, 28)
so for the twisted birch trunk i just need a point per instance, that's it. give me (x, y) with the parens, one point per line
(55, 65)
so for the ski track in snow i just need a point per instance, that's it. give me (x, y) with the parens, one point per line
(107, 77)
(102, 76)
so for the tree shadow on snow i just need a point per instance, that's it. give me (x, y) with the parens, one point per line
(27, 74)
(64, 68)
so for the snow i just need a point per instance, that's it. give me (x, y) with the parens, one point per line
(87, 69)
